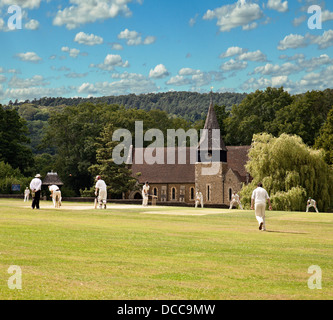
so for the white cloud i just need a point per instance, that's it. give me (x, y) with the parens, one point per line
(253, 56)
(159, 72)
(262, 83)
(72, 52)
(32, 25)
(270, 69)
(298, 21)
(293, 41)
(232, 51)
(193, 20)
(149, 40)
(326, 15)
(324, 41)
(196, 78)
(128, 76)
(29, 56)
(239, 14)
(110, 62)
(122, 87)
(116, 46)
(233, 65)
(26, 4)
(134, 38)
(289, 68)
(297, 56)
(34, 92)
(278, 5)
(316, 62)
(88, 11)
(178, 81)
(2, 24)
(35, 81)
(188, 72)
(88, 39)
(75, 75)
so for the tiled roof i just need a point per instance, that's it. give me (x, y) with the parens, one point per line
(165, 173)
(52, 178)
(184, 173)
(237, 158)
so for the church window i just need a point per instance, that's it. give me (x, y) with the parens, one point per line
(230, 194)
(173, 194)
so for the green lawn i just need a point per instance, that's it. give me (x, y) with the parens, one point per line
(162, 253)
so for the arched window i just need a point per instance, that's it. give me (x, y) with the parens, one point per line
(230, 194)
(208, 192)
(155, 191)
(192, 193)
(173, 194)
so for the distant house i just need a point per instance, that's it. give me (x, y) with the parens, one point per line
(179, 182)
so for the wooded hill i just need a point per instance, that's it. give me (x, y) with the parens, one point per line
(191, 106)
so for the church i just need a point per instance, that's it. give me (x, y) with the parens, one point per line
(217, 172)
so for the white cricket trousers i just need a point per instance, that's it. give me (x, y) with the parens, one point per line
(102, 197)
(197, 202)
(56, 195)
(260, 213)
(234, 202)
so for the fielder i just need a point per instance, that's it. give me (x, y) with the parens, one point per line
(199, 199)
(145, 194)
(311, 203)
(26, 194)
(235, 200)
(56, 195)
(101, 191)
(258, 198)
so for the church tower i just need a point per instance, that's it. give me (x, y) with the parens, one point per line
(211, 165)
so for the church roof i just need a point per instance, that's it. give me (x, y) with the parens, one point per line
(165, 173)
(184, 173)
(214, 142)
(52, 178)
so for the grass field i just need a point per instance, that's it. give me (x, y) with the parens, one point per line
(130, 253)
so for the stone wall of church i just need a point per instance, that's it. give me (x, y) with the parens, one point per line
(232, 184)
(209, 181)
(173, 192)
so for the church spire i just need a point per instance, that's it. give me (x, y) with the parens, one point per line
(212, 124)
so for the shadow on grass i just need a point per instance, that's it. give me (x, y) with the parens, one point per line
(289, 232)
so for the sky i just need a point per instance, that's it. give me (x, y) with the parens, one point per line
(93, 48)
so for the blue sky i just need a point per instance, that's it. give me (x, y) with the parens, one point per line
(110, 47)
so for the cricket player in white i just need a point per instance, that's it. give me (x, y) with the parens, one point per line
(56, 195)
(199, 199)
(259, 197)
(311, 203)
(235, 200)
(101, 191)
(26, 194)
(145, 194)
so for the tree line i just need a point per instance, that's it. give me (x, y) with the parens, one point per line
(71, 139)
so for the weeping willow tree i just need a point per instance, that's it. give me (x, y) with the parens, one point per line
(290, 171)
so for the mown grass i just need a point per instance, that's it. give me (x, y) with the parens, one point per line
(139, 254)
